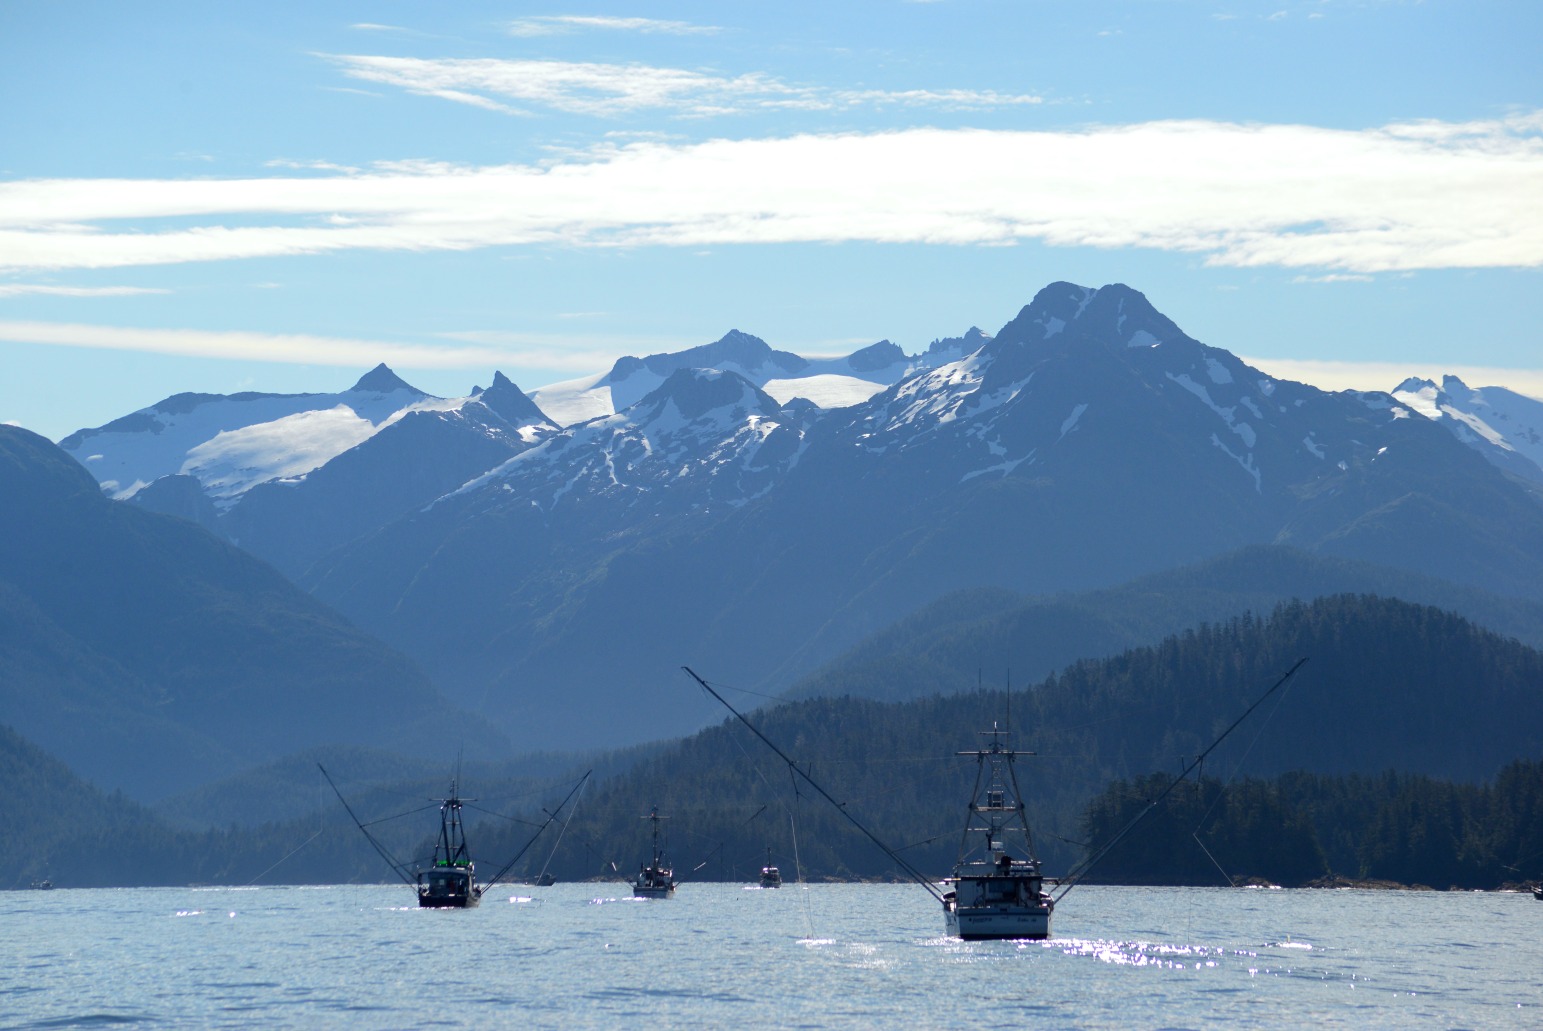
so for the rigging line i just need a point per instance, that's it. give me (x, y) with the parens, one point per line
(910, 871)
(398, 816)
(1230, 882)
(551, 855)
(1227, 785)
(550, 817)
(291, 852)
(501, 816)
(396, 867)
(798, 866)
(1081, 869)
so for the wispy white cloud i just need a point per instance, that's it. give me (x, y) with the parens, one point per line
(1398, 198)
(610, 90)
(313, 166)
(1328, 375)
(555, 24)
(46, 290)
(468, 349)
(266, 347)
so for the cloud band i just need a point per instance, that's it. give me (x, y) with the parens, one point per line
(1402, 197)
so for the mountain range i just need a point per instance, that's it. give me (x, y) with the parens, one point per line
(767, 512)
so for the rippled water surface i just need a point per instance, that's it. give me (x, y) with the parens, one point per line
(586, 955)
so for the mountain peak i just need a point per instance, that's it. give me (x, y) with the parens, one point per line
(1456, 388)
(511, 403)
(1414, 384)
(696, 392)
(381, 380)
(1112, 315)
(733, 348)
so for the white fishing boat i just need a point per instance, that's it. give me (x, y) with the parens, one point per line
(995, 893)
(656, 880)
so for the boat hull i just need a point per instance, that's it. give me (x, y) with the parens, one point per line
(653, 891)
(448, 901)
(987, 923)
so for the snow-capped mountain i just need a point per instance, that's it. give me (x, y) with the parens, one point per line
(229, 443)
(291, 476)
(827, 382)
(1090, 441)
(701, 437)
(1502, 425)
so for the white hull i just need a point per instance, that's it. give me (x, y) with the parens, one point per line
(994, 922)
(642, 891)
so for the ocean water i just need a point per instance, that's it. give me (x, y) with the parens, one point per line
(717, 955)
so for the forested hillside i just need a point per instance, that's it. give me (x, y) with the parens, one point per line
(1387, 686)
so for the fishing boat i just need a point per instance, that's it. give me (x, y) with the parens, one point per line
(994, 893)
(771, 877)
(1537, 892)
(451, 881)
(655, 879)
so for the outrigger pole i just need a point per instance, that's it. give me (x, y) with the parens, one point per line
(1081, 869)
(549, 818)
(390, 860)
(910, 871)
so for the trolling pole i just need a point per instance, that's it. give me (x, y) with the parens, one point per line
(549, 818)
(1081, 869)
(556, 844)
(910, 871)
(396, 867)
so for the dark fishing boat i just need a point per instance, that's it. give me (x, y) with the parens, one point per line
(995, 893)
(656, 880)
(451, 881)
(1537, 892)
(771, 877)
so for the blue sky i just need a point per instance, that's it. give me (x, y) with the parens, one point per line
(275, 197)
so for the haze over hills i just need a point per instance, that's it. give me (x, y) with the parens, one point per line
(152, 657)
(555, 574)
(988, 635)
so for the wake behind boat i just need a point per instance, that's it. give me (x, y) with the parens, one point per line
(993, 893)
(656, 880)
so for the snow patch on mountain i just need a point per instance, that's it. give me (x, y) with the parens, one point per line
(828, 390)
(1244, 461)
(222, 439)
(234, 461)
(1504, 425)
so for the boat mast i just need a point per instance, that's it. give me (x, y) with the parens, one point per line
(1003, 798)
(654, 818)
(452, 836)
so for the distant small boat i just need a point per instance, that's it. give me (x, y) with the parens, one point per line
(993, 893)
(771, 877)
(44, 885)
(656, 880)
(546, 880)
(1537, 892)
